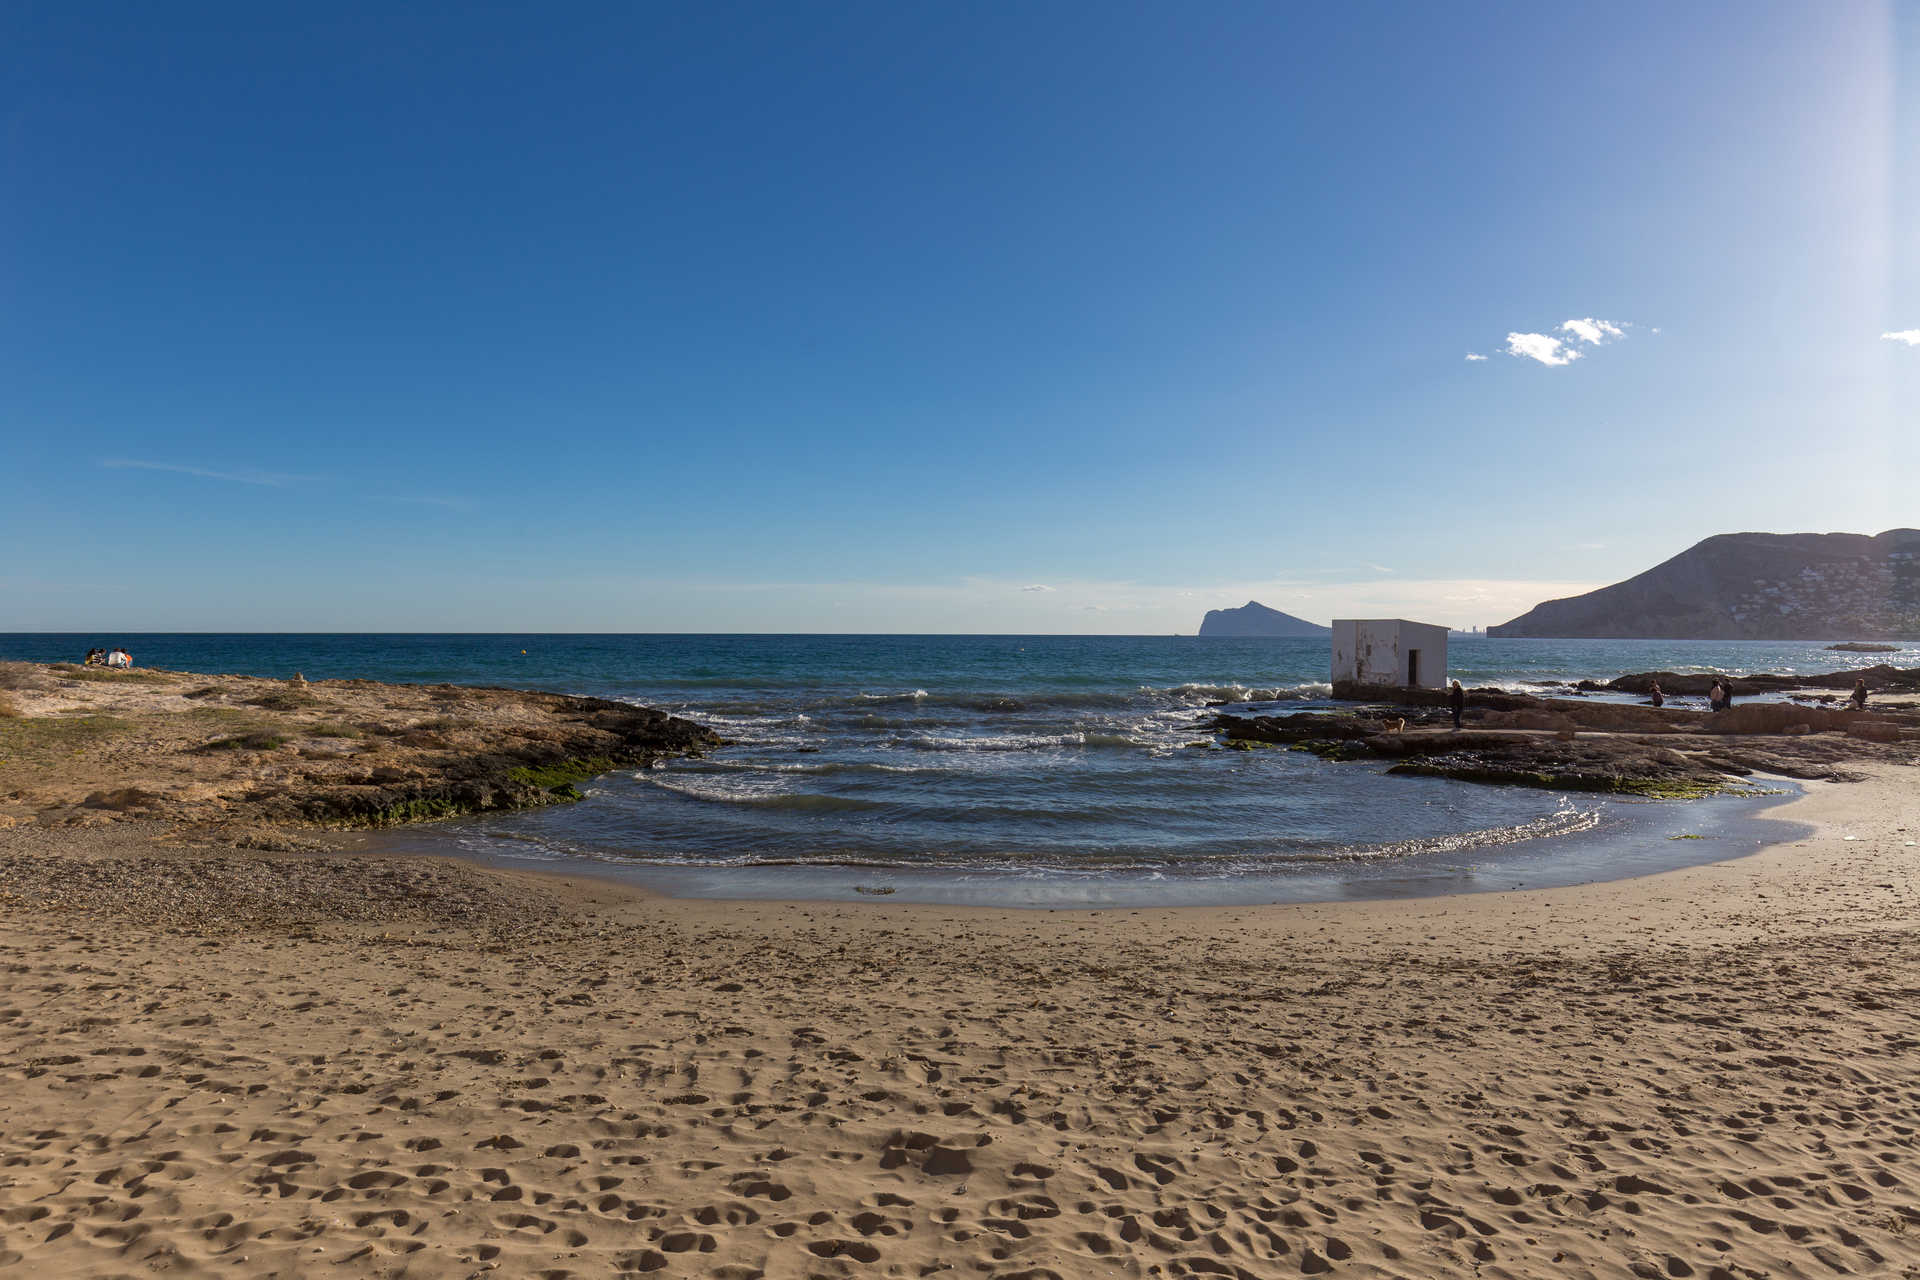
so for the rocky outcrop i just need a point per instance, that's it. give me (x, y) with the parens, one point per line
(1568, 744)
(1880, 678)
(1255, 620)
(1752, 586)
(235, 754)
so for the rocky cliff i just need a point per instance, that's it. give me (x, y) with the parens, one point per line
(1752, 586)
(1255, 619)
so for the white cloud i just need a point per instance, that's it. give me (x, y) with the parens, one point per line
(1538, 346)
(1909, 336)
(1564, 344)
(1038, 586)
(244, 476)
(1592, 331)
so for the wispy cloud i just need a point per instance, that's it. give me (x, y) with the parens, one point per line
(245, 475)
(1038, 586)
(1090, 606)
(1592, 331)
(1475, 356)
(1565, 343)
(1539, 346)
(1909, 336)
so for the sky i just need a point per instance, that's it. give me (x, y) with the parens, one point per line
(937, 317)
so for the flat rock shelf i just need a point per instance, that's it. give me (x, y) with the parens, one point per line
(239, 756)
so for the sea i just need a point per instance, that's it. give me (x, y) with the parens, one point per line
(1036, 771)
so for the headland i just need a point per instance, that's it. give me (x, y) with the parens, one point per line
(246, 760)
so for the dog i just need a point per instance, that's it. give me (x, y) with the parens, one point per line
(1397, 726)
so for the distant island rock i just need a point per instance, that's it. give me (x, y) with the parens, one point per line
(1752, 586)
(1854, 646)
(1255, 619)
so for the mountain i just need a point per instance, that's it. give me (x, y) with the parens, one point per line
(1255, 619)
(1752, 586)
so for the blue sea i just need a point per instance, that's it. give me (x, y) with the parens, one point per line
(1033, 770)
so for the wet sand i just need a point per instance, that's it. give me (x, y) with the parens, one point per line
(240, 1063)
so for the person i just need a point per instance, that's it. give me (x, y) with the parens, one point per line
(96, 658)
(1653, 693)
(119, 658)
(1715, 695)
(1859, 695)
(1456, 703)
(1726, 694)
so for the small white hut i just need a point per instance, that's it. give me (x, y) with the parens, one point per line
(1389, 651)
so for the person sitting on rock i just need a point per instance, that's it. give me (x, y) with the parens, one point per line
(96, 658)
(1859, 695)
(1654, 695)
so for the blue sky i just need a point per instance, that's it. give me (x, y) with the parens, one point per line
(928, 317)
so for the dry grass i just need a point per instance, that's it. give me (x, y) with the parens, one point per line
(107, 675)
(47, 738)
(23, 675)
(7, 710)
(284, 700)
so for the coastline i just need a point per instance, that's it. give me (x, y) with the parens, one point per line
(1707, 1071)
(1614, 839)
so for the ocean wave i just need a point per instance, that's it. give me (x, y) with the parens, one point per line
(1569, 819)
(1016, 741)
(1203, 693)
(990, 700)
(757, 793)
(810, 769)
(916, 703)
(1092, 864)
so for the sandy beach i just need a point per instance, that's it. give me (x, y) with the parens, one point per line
(243, 1063)
(960, 641)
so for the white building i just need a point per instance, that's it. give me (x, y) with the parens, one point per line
(1389, 651)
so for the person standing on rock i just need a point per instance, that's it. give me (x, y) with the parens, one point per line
(1859, 695)
(1456, 703)
(1726, 694)
(1715, 696)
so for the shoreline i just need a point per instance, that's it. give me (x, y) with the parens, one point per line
(270, 1064)
(1550, 860)
(1825, 814)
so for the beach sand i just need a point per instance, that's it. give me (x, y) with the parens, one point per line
(248, 1064)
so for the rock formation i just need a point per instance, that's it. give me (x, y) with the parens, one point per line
(225, 754)
(1255, 619)
(1752, 586)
